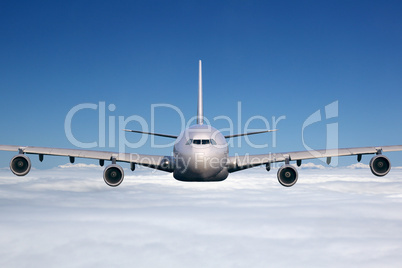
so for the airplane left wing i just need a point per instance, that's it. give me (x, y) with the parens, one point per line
(287, 174)
(113, 175)
(154, 161)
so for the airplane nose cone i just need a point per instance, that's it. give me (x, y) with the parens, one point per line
(201, 165)
(205, 165)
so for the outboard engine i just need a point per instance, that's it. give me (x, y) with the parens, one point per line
(287, 175)
(380, 165)
(113, 175)
(20, 165)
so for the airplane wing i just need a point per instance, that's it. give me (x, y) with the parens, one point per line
(152, 161)
(236, 163)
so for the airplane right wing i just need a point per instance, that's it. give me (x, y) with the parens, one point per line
(236, 163)
(287, 174)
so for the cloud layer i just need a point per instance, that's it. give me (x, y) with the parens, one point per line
(68, 217)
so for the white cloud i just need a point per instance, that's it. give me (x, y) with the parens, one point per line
(78, 165)
(311, 166)
(68, 217)
(358, 166)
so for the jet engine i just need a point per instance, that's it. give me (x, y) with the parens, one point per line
(20, 165)
(167, 164)
(287, 175)
(380, 165)
(113, 175)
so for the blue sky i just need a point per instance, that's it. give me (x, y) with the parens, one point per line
(287, 58)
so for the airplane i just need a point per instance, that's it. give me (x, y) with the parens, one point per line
(200, 154)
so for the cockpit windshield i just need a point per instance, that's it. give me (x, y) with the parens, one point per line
(203, 142)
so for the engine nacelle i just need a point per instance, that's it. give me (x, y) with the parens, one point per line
(380, 165)
(20, 165)
(167, 164)
(287, 175)
(113, 175)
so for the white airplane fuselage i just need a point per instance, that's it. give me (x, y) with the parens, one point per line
(201, 153)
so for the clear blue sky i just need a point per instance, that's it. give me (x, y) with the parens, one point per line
(286, 58)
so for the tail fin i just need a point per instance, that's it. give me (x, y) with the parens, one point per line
(200, 112)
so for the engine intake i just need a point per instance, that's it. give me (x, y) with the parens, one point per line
(113, 175)
(380, 165)
(20, 165)
(167, 164)
(287, 175)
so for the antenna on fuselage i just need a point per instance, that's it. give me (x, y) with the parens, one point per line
(200, 113)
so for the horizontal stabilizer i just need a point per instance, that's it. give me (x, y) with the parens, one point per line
(150, 133)
(250, 133)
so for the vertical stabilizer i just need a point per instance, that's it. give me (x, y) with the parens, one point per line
(200, 112)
